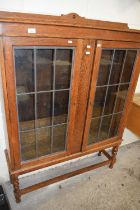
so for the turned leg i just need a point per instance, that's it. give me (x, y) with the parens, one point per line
(114, 153)
(11, 179)
(100, 153)
(17, 193)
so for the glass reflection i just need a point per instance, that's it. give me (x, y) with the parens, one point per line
(63, 68)
(43, 136)
(121, 96)
(129, 64)
(115, 125)
(117, 66)
(93, 132)
(44, 69)
(61, 107)
(24, 70)
(99, 101)
(59, 135)
(110, 99)
(26, 111)
(105, 125)
(105, 65)
(115, 70)
(28, 145)
(41, 73)
(44, 109)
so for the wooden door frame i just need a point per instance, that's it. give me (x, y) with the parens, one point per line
(11, 93)
(110, 45)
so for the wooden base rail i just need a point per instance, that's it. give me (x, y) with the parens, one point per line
(63, 177)
(15, 180)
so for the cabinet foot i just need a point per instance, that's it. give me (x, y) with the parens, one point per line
(11, 180)
(100, 153)
(17, 192)
(114, 153)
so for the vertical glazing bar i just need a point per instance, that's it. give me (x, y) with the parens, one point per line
(123, 66)
(54, 63)
(106, 93)
(35, 99)
(117, 92)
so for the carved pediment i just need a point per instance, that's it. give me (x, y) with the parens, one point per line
(71, 19)
(73, 16)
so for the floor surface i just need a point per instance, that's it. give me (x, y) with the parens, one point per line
(101, 189)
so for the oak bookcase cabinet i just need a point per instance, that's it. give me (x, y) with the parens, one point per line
(68, 84)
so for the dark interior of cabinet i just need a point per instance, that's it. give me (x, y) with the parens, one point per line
(115, 70)
(43, 84)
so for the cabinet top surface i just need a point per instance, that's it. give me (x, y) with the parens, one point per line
(71, 19)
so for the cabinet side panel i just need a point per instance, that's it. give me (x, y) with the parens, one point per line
(7, 113)
(133, 121)
(10, 81)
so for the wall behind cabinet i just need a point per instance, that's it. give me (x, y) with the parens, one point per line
(116, 10)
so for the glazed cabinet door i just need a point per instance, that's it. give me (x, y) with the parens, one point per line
(42, 86)
(114, 77)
